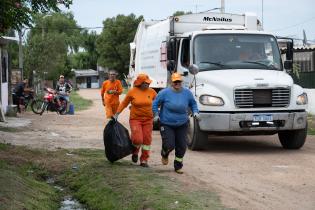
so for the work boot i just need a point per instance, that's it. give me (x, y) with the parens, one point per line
(134, 158)
(164, 160)
(164, 155)
(144, 164)
(179, 171)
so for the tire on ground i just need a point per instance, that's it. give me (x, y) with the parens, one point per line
(294, 139)
(197, 139)
(37, 106)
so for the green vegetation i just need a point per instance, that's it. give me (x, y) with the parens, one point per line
(8, 129)
(93, 181)
(113, 43)
(79, 102)
(15, 14)
(49, 45)
(22, 188)
(311, 125)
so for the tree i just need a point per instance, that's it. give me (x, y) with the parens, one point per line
(49, 43)
(113, 42)
(58, 23)
(179, 13)
(46, 56)
(16, 13)
(13, 49)
(88, 58)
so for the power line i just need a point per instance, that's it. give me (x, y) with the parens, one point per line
(66, 28)
(300, 23)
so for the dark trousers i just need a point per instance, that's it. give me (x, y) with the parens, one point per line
(174, 137)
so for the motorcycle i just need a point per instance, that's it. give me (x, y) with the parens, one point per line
(50, 103)
(28, 100)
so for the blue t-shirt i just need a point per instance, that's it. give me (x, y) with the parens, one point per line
(174, 106)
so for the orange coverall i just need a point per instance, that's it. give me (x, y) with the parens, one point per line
(111, 100)
(141, 119)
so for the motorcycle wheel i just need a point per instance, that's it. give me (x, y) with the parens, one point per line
(37, 106)
(64, 107)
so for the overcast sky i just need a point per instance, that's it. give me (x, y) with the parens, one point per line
(282, 17)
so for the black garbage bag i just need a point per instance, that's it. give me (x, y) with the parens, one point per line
(117, 141)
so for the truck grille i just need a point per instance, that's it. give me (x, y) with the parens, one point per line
(247, 98)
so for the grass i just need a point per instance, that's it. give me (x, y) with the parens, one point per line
(9, 129)
(93, 181)
(79, 102)
(311, 125)
(20, 188)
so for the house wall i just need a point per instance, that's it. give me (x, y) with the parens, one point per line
(4, 96)
(305, 62)
(4, 79)
(81, 82)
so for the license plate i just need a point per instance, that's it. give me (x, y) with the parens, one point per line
(262, 118)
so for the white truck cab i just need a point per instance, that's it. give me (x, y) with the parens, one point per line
(234, 70)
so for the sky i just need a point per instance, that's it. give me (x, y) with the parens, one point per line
(282, 17)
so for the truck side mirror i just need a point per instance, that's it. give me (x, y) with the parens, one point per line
(193, 69)
(171, 49)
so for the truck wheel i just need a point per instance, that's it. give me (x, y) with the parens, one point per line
(197, 139)
(293, 139)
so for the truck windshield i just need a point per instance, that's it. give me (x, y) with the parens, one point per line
(236, 51)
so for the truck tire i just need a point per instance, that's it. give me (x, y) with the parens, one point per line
(196, 138)
(293, 139)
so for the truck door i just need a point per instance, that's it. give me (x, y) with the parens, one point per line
(184, 60)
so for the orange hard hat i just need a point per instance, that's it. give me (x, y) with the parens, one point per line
(176, 77)
(141, 78)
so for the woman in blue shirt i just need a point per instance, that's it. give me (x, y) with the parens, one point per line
(175, 103)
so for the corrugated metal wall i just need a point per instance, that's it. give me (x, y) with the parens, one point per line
(306, 62)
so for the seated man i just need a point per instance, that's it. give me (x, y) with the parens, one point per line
(63, 90)
(19, 93)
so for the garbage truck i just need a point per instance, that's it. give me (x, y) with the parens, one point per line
(238, 74)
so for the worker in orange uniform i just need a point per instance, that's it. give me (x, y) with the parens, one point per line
(111, 89)
(141, 117)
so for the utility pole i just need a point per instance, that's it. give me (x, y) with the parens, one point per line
(262, 13)
(21, 53)
(222, 6)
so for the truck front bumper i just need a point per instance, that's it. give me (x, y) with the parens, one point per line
(245, 121)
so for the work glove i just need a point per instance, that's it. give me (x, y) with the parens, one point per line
(156, 118)
(197, 116)
(115, 116)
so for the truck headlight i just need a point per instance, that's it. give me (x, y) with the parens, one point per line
(211, 100)
(302, 99)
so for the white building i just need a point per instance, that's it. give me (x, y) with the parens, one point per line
(86, 78)
(4, 74)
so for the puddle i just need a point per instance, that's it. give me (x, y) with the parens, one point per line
(70, 204)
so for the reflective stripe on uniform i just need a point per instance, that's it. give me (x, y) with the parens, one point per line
(179, 159)
(146, 147)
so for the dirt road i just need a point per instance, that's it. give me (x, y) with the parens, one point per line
(247, 172)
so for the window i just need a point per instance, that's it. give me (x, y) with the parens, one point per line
(185, 61)
(236, 51)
